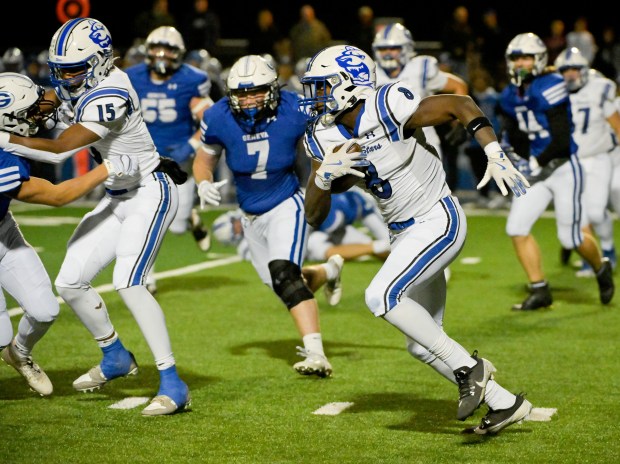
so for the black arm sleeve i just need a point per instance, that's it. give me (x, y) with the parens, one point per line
(559, 129)
(517, 138)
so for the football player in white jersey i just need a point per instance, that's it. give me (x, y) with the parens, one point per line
(260, 126)
(397, 60)
(427, 224)
(23, 274)
(597, 127)
(173, 96)
(129, 223)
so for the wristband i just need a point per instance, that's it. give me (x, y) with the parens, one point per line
(478, 123)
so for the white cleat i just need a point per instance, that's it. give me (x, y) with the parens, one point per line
(94, 378)
(333, 287)
(163, 405)
(35, 376)
(314, 364)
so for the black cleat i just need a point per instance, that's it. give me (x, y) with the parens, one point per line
(199, 231)
(498, 420)
(539, 297)
(472, 382)
(605, 279)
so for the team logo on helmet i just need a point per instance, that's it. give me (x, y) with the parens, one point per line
(352, 61)
(6, 99)
(99, 35)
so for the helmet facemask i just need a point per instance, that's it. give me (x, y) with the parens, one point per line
(23, 108)
(265, 102)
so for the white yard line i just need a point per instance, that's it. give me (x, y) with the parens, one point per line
(333, 409)
(158, 275)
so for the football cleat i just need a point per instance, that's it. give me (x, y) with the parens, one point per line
(199, 231)
(117, 362)
(565, 256)
(472, 382)
(35, 376)
(605, 280)
(173, 395)
(314, 364)
(497, 420)
(539, 297)
(333, 287)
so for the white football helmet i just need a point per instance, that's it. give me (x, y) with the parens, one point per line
(252, 73)
(334, 81)
(165, 50)
(13, 60)
(393, 36)
(80, 57)
(21, 104)
(527, 44)
(227, 228)
(572, 58)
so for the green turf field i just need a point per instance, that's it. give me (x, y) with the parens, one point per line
(235, 345)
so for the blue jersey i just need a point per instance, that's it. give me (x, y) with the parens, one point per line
(14, 170)
(529, 110)
(166, 105)
(346, 208)
(263, 161)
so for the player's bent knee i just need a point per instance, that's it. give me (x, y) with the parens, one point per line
(374, 301)
(70, 275)
(288, 283)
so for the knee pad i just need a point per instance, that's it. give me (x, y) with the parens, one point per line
(374, 301)
(288, 283)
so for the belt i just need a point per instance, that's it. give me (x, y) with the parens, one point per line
(116, 192)
(402, 225)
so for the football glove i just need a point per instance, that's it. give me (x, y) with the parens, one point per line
(503, 172)
(209, 192)
(339, 162)
(121, 166)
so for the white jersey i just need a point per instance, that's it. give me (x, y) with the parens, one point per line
(112, 111)
(416, 177)
(422, 73)
(591, 106)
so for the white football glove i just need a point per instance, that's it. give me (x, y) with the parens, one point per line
(339, 163)
(209, 192)
(121, 166)
(503, 172)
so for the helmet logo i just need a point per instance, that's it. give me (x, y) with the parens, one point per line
(99, 35)
(6, 99)
(352, 61)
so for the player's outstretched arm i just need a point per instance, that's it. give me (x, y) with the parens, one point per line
(43, 192)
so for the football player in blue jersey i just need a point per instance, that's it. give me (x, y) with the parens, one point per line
(129, 223)
(537, 121)
(23, 274)
(173, 96)
(259, 126)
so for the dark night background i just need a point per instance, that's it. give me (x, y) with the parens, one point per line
(35, 21)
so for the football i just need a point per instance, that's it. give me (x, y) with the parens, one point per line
(344, 183)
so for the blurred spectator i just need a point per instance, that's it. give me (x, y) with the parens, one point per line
(607, 58)
(556, 40)
(134, 55)
(201, 28)
(158, 15)
(39, 71)
(265, 37)
(364, 30)
(458, 42)
(491, 42)
(309, 35)
(582, 38)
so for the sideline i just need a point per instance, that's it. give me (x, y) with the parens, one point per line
(158, 275)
